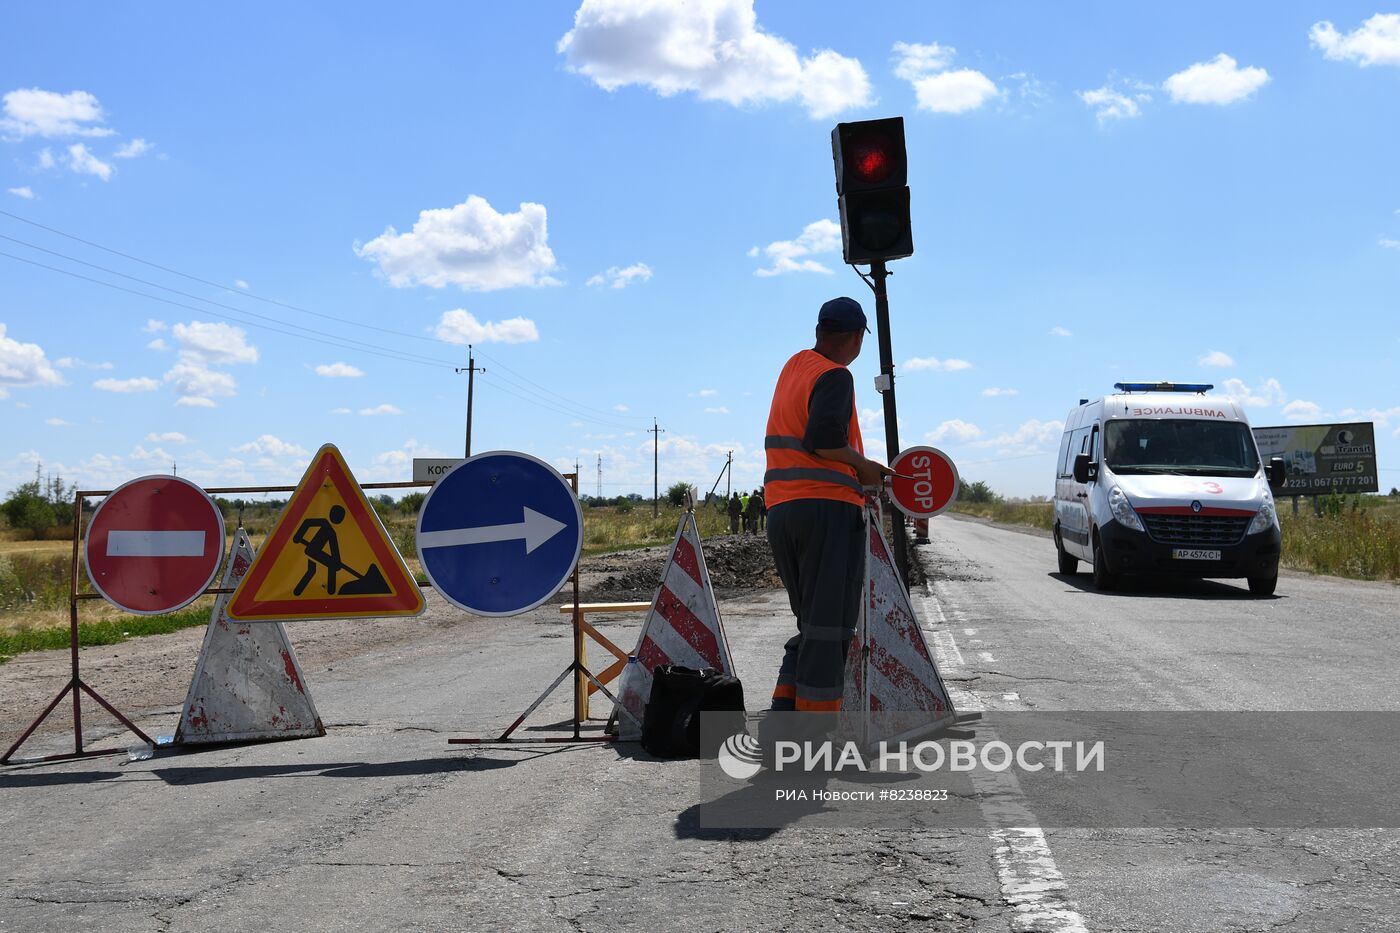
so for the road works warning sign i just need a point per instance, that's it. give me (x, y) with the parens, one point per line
(327, 557)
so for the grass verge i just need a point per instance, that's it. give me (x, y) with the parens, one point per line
(102, 632)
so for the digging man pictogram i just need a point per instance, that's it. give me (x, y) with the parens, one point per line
(318, 539)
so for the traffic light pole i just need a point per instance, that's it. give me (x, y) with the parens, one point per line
(878, 274)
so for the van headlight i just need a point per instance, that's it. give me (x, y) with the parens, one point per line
(1122, 510)
(1264, 519)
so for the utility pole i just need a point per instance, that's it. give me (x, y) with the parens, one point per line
(600, 476)
(728, 475)
(656, 432)
(471, 369)
(878, 273)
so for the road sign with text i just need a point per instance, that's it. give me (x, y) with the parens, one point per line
(500, 533)
(925, 482)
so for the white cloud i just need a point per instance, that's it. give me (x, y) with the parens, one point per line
(719, 410)
(1300, 410)
(954, 91)
(1374, 42)
(133, 149)
(268, 445)
(214, 342)
(1388, 243)
(385, 409)
(1029, 437)
(616, 277)
(58, 422)
(705, 393)
(157, 344)
(46, 159)
(461, 327)
(1058, 331)
(195, 381)
(994, 392)
(195, 401)
(1267, 393)
(471, 245)
(240, 284)
(82, 161)
(715, 49)
(35, 112)
(1219, 81)
(933, 363)
(341, 411)
(1109, 104)
(168, 437)
(137, 384)
(74, 362)
(914, 61)
(1216, 358)
(23, 191)
(339, 371)
(621, 408)
(956, 429)
(819, 236)
(155, 327)
(25, 364)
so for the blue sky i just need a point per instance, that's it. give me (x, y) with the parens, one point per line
(629, 208)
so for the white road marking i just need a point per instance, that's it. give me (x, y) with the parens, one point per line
(969, 631)
(1030, 880)
(986, 657)
(155, 544)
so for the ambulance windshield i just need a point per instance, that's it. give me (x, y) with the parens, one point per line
(1188, 447)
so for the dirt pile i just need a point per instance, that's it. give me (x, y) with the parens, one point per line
(735, 562)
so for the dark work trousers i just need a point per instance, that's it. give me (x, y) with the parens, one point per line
(819, 548)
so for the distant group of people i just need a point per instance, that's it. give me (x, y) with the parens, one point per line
(750, 509)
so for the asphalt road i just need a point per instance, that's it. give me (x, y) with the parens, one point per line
(381, 825)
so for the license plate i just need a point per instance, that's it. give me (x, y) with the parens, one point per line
(1182, 553)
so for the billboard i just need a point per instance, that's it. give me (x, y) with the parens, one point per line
(1319, 458)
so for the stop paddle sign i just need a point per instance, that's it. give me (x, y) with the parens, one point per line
(925, 482)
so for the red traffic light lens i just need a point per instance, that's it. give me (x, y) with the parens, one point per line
(871, 160)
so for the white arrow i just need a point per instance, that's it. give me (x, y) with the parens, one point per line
(535, 529)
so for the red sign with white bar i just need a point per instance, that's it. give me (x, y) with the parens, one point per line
(154, 544)
(925, 482)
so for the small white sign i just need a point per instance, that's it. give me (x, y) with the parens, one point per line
(430, 470)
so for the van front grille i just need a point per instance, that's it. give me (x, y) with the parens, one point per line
(1196, 530)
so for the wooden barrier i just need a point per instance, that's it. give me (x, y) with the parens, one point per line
(582, 686)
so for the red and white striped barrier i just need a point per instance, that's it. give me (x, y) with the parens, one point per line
(682, 627)
(248, 685)
(890, 671)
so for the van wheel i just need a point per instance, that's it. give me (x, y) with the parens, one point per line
(1068, 564)
(1103, 580)
(1263, 586)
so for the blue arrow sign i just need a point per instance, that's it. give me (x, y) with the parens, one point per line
(500, 533)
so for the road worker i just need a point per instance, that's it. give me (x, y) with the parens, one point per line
(735, 510)
(815, 489)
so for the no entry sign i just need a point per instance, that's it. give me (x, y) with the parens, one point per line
(154, 544)
(925, 482)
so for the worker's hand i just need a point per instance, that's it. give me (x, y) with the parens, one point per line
(872, 473)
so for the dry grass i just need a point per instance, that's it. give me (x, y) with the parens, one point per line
(1011, 512)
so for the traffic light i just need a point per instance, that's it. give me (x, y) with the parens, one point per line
(872, 174)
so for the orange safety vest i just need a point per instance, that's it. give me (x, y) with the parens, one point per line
(793, 473)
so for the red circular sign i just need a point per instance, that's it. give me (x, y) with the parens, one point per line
(925, 482)
(154, 544)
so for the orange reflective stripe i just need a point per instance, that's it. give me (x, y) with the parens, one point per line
(818, 706)
(784, 692)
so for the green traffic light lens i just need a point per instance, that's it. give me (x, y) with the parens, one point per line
(878, 223)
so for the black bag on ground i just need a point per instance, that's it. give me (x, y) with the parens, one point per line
(671, 723)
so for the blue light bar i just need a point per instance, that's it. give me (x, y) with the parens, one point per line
(1198, 387)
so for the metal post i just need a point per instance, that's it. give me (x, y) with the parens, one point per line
(656, 433)
(728, 475)
(73, 623)
(882, 331)
(471, 370)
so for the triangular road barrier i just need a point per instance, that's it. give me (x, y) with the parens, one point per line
(327, 557)
(893, 688)
(682, 627)
(248, 685)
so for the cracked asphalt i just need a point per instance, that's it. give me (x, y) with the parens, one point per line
(381, 825)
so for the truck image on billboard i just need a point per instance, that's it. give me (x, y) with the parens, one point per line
(1320, 458)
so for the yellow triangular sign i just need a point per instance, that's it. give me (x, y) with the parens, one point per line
(328, 556)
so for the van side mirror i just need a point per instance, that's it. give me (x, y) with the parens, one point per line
(1083, 468)
(1277, 473)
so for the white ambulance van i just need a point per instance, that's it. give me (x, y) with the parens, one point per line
(1161, 478)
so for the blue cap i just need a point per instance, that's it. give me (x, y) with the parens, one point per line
(844, 315)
